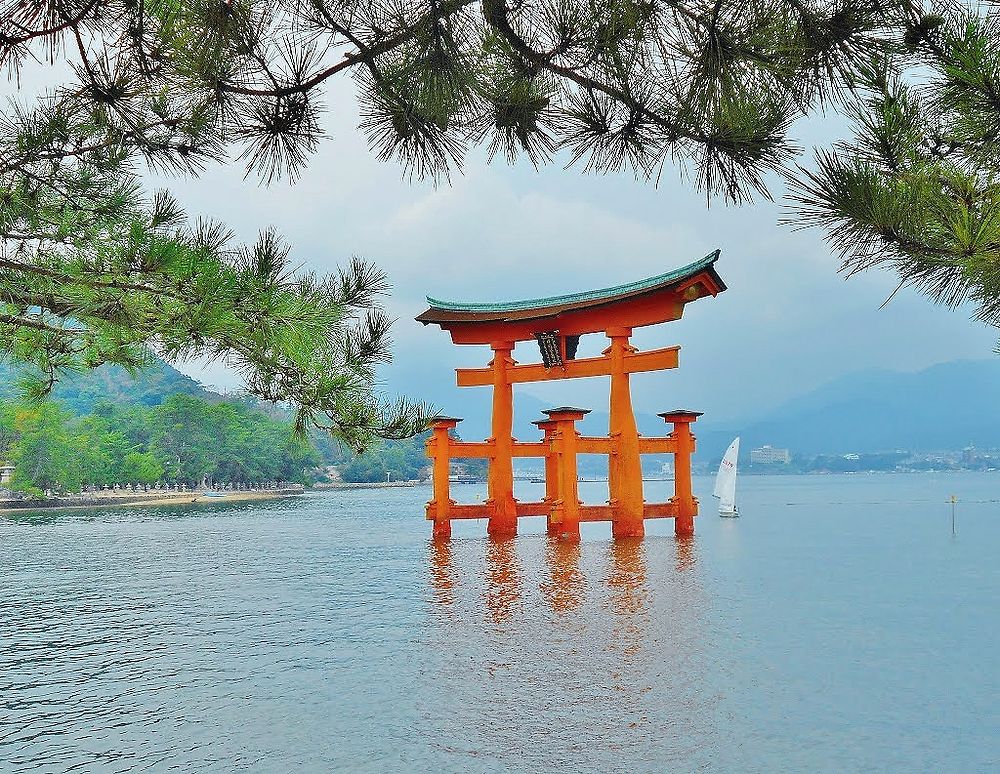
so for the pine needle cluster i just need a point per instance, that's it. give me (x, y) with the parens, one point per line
(917, 190)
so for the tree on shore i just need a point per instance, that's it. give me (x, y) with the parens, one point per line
(183, 440)
(93, 270)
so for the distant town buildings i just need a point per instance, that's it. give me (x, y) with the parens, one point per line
(768, 459)
(769, 455)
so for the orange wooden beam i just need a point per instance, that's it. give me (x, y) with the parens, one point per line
(658, 307)
(471, 449)
(466, 511)
(485, 449)
(588, 444)
(595, 513)
(588, 513)
(482, 511)
(534, 509)
(657, 445)
(635, 362)
(659, 511)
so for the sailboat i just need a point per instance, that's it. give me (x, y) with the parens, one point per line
(725, 481)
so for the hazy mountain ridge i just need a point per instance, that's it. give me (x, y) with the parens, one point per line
(945, 406)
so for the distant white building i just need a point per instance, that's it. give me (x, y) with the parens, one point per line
(6, 472)
(769, 455)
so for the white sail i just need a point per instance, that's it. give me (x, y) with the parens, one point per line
(725, 481)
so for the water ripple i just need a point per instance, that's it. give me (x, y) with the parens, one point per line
(332, 634)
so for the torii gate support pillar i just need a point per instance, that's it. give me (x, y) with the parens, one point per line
(548, 428)
(500, 501)
(683, 499)
(439, 450)
(624, 463)
(566, 510)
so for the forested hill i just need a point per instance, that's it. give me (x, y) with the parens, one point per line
(106, 427)
(142, 420)
(80, 392)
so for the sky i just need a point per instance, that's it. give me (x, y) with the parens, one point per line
(787, 324)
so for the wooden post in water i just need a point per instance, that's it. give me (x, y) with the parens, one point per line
(624, 464)
(500, 478)
(438, 448)
(566, 511)
(683, 499)
(548, 428)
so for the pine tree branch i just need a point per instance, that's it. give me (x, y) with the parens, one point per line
(86, 280)
(24, 322)
(496, 14)
(68, 22)
(369, 54)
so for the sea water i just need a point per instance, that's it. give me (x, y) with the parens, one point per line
(837, 625)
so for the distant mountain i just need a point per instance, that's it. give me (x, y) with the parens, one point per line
(80, 391)
(946, 406)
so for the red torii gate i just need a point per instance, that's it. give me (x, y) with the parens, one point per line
(557, 324)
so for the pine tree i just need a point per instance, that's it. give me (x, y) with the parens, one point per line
(93, 270)
(917, 190)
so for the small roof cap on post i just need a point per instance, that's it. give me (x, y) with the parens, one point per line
(566, 412)
(446, 421)
(680, 415)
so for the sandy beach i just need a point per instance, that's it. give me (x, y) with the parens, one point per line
(163, 497)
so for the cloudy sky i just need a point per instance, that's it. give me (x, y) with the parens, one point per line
(788, 323)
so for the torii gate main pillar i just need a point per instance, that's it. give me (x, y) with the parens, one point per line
(500, 479)
(624, 463)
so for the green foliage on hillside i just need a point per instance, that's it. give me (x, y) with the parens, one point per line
(399, 461)
(182, 440)
(80, 392)
(388, 461)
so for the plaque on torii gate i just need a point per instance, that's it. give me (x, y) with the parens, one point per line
(557, 323)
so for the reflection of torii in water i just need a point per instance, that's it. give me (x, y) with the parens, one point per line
(620, 635)
(557, 323)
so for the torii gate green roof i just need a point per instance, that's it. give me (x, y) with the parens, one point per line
(571, 299)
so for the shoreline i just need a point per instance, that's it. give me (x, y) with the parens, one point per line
(143, 499)
(336, 486)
